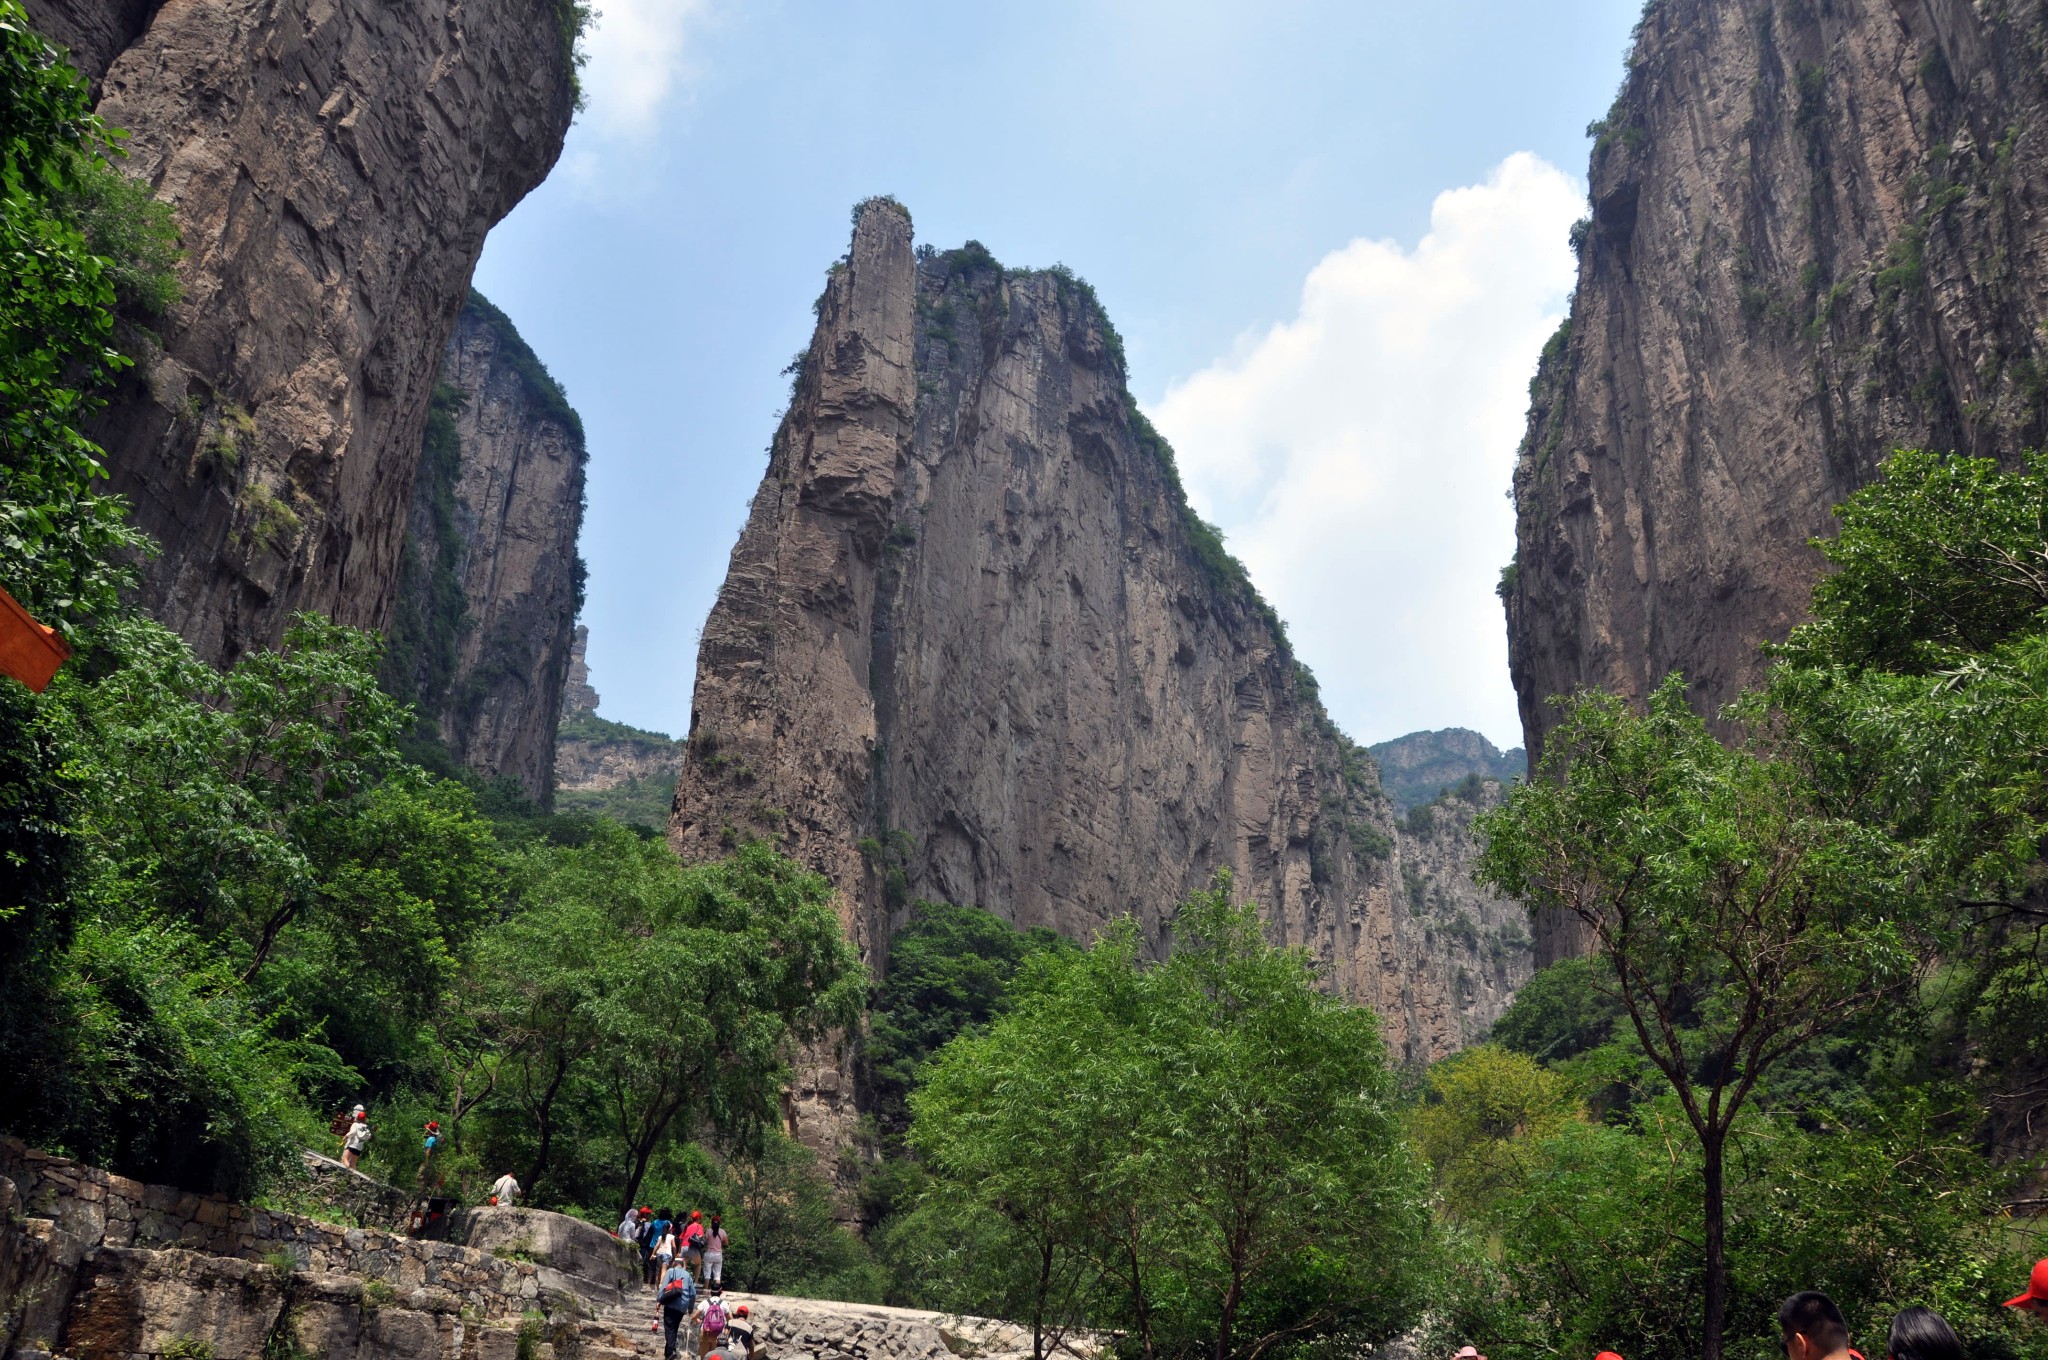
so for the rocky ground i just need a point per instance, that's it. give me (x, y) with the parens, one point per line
(97, 1267)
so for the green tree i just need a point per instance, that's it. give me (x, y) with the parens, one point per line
(721, 969)
(950, 969)
(65, 543)
(1213, 1134)
(1738, 912)
(1482, 1108)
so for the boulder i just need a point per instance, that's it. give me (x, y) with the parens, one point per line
(577, 1249)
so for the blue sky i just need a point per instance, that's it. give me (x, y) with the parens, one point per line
(1331, 234)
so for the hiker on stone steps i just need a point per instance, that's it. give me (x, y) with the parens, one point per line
(677, 1301)
(357, 1138)
(712, 1317)
(715, 1238)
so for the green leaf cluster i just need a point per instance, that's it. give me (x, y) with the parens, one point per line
(1202, 1151)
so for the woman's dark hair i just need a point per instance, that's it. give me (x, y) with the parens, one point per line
(1923, 1334)
(665, 1214)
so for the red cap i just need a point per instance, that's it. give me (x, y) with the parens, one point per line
(696, 1213)
(742, 1311)
(2037, 1287)
(1607, 1355)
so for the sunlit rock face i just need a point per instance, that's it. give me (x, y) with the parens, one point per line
(1815, 237)
(334, 166)
(973, 647)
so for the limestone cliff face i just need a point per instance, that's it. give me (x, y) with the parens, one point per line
(1816, 236)
(490, 579)
(973, 647)
(334, 166)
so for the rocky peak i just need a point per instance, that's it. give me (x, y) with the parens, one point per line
(490, 580)
(1421, 765)
(973, 646)
(577, 695)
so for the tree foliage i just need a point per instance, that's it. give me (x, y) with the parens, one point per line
(75, 239)
(1204, 1150)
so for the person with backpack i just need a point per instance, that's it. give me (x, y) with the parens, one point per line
(711, 1320)
(357, 1139)
(677, 1301)
(693, 1243)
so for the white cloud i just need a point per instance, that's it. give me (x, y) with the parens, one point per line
(638, 52)
(1358, 456)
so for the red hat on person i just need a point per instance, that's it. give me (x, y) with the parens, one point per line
(1607, 1355)
(741, 1311)
(696, 1213)
(2037, 1287)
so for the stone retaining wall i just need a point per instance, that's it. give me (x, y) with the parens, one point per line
(88, 1210)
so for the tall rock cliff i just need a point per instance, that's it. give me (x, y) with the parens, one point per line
(1416, 768)
(974, 647)
(490, 582)
(1816, 236)
(333, 166)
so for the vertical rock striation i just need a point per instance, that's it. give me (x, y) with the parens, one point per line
(1816, 236)
(334, 166)
(490, 585)
(974, 647)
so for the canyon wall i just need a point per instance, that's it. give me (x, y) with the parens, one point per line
(974, 647)
(490, 581)
(333, 166)
(1816, 236)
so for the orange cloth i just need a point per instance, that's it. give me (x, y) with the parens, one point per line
(29, 652)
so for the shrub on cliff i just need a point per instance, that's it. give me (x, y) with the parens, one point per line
(76, 240)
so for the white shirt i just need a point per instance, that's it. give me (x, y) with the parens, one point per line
(505, 1188)
(358, 1136)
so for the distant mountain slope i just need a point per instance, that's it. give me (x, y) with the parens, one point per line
(626, 773)
(1419, 766)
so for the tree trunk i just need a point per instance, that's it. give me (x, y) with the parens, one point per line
(1228, 1317)
(1138, 1303)
(544, 1121)
(1038, 1304)
(1716, 1313)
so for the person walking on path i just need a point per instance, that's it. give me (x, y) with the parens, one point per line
(2035, 1300)
(656, 1231)
(1813, 1328)
(1922, 1334)
(629, 1226)
(665, 1253)
(715, 1238)
(739, 1332)
(692, 1241)
(357, 1138)
(504, 1191)
(678, 1302)
(711, 1319)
